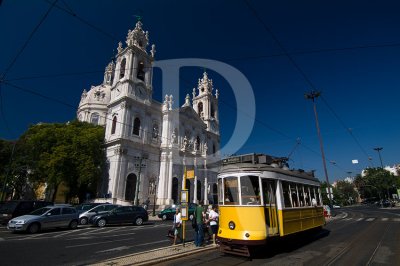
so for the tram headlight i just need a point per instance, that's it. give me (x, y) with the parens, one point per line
(231, 225)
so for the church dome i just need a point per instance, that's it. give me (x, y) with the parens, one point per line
(93, 105)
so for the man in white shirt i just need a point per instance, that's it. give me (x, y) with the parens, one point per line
(213, 219)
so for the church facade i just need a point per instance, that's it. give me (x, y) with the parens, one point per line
(149, 144)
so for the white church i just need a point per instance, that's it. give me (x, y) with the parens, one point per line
(149, 143)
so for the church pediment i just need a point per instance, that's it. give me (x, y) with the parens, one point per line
(189, 113)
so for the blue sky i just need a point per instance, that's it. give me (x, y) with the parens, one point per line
(348, 50)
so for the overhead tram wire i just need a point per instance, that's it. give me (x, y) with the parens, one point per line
(4, 74)
(346, 128)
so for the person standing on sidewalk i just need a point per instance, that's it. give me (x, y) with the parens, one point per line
(199, 233)
(177, 226)
(213, 219)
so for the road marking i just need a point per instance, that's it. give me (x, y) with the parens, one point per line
(370, 219)
(385, 219)
(396, 219)
(348, 219)
(359, 219)
(98, 243)
(114, 249)
(66, 233)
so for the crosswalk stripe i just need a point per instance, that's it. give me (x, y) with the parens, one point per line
(348, 219)
(370, 219)
(385, 219)
(359, 219)
(396, 219)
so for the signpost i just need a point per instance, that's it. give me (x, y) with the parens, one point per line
(188, 174)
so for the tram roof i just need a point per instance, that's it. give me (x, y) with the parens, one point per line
(263, 162)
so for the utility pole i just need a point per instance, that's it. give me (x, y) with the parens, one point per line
(312, 96)
(378, 149)
(136, 200)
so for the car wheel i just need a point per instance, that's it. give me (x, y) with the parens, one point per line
(73, 224)
(101, 223)
(139, 221)
(34, 228)
(83, 220)
(164, 217)
(191, 217)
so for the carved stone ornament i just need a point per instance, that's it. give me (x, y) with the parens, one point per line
(119, 49)
(99, 94)
(120, 151)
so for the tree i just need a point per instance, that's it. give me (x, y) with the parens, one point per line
(72, 154)
(377, 183)
(344, 193)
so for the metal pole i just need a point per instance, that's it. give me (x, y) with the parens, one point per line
(136, 200)
(313, 95)
(379, 152)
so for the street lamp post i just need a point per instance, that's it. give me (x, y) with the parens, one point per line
(312, 96)
(378, 149)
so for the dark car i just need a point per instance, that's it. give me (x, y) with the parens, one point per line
(45, 218)
(85, 216)
(168, 212)
(86, 206)
(15, 208)
(124, 214)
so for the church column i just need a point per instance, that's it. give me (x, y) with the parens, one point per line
(195, 199)
(162, 182)
(205, 183)
(171, 163)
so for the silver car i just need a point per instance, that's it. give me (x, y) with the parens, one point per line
(45, 218)
(84, 217)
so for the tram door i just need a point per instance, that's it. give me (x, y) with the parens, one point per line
(269, 191)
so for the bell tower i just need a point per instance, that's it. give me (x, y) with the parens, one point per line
(206, 104)
(134, 67)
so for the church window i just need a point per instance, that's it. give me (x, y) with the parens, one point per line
(214, 150)
(198, 188)
(200, 109)
(136, 126)
(114, 125)
(140, 71)
(94, 119)
(212, 111)
(122, 69)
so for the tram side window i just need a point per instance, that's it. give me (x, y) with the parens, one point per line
(307, 195)
(318, 196)
(231, 192)
(301, 194)
(250, 188)
(293, 193)
(286, 194)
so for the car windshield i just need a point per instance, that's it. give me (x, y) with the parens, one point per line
(39, 212)
(84, 207)
(8, 207)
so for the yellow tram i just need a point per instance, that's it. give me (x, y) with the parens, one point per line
(260, 198)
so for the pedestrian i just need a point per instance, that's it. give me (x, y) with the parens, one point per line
(177, 226)
(199, 232)
(146, 204)
(213, 219)
(207, 224)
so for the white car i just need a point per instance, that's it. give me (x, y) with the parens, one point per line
(45, 218)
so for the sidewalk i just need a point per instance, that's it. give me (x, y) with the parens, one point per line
(156, 255)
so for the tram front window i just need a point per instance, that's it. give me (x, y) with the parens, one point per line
(250, 190)
(231, 191)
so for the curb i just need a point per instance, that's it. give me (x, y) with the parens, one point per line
(158, 255)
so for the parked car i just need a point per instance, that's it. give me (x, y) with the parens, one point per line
(86, 206)
(15, 208)
(168, 212)
(45, 218)
(123, 214)
(85, 216)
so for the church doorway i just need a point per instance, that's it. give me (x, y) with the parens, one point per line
(175, 186)
(215, 193)
(198, 192)
(130, 188)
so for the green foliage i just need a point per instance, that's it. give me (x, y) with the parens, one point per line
(377, 183)
(72, 154)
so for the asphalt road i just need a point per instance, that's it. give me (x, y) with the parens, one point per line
(356, 236)
(81, 246)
